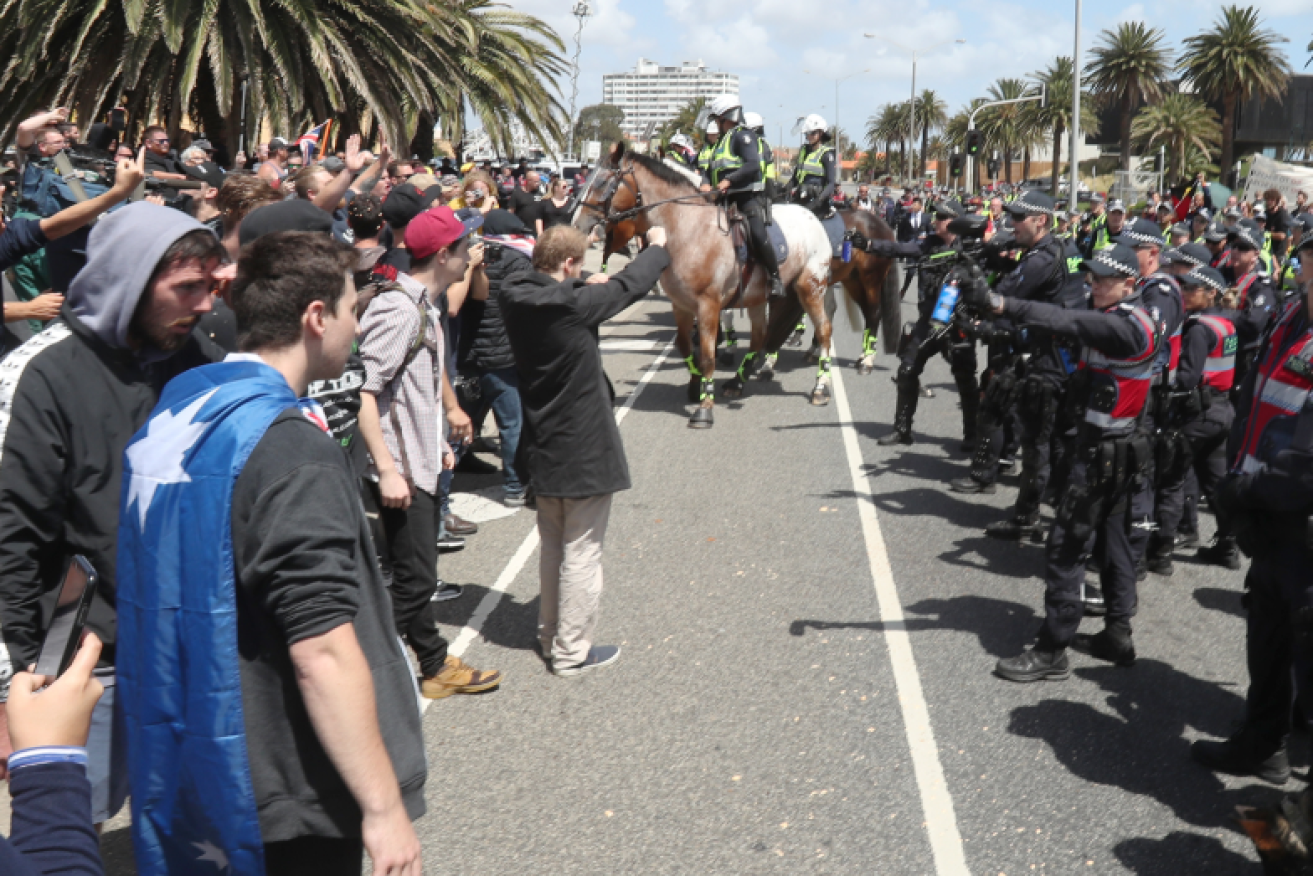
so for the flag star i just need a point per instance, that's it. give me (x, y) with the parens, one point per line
(156, 460)
(213, 854)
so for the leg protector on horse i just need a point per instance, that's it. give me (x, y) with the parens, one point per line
(868, 343)
(748, 366)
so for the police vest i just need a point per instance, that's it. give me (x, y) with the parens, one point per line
(809, 165)
(704, 157)
(767, 159)
(724, 160)
(1219, 367)
(1285, 380)
(1119, 388)
(1171, 354)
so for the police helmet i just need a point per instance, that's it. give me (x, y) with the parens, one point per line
(726, 106)
(754, 121)
(681, 142)
(807, 124)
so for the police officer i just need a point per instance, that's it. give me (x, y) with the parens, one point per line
(680, 148)
(1108, 497)
(711, 136)
(1255, 299)
(937, 253)
(1216, 237)
(1094, 227)
(1043, 273)
(769, 174)
(816, 173)
(735, 170)
(1198, 411)
(1267, 498)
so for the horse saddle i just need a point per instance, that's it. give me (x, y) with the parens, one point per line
(834, 230)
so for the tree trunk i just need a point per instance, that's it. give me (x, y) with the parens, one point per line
(1229, 102)
(1128, 110)
(1007, 164)
(1025, 164)
(421, 145)
(925, 144)
(1057, 163)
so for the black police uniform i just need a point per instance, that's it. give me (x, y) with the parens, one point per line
(746, 193)
(1258, 301)
(811, 189)
(936, 260)
(1268, 498)
(1108, 500)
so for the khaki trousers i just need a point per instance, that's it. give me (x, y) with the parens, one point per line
(570, 573)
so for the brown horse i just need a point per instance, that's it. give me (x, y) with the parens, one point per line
(704, 273)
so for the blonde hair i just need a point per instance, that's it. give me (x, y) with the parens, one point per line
(422, 181)
(559, 243)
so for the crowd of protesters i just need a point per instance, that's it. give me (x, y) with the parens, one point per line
(324, 338)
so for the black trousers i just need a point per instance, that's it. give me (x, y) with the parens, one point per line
(409, 556)
(314, 856)
(1280, 585)
(1206, 435)
(751, 206)
(1040, 401)
(1117, 536)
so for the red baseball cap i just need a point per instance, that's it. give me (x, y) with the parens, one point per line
(438, 228)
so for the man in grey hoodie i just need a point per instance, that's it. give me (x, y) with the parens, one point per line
(70, 400)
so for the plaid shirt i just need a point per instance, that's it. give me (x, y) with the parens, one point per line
(409, 402)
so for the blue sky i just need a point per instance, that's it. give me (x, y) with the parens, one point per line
(769, 43)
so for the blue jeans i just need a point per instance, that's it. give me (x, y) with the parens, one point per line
(499, 392)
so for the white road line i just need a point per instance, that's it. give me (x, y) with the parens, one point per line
(623, 346)
(940, 819)
(474, 625)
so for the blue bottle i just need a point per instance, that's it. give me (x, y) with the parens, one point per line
(948, 295)
(847, 250)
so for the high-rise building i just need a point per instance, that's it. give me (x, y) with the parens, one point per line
(656, 94)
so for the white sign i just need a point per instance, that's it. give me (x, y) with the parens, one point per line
(1288, 179)
(592, 150)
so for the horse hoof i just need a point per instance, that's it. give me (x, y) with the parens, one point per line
(702, 419)
(732, 388)
(821, 395)
(866, 366)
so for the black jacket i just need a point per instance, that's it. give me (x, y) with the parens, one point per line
(483, 330)
(913, 225)
(72, 402)
(570, 446)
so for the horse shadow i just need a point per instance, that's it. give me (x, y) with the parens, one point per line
(999, 625)
(941, 503)
(512, 624)
(1181, 852)
(1221, 599)
(1142, 748)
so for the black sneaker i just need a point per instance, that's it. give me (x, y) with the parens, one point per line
(1016, 529)
(971, 486)
(1160, 565)
(895, 437)
(1092, 598)
(1235, 757)
(449, 543)
(1035, 665)
(446, 592)
(599, 656)
(1105, 646)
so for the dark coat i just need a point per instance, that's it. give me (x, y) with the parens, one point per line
(570, 446)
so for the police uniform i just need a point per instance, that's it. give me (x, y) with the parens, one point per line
(1267, 498)
(815, 177)
(1108, 497)
(936, 259)
(1256, 300)
(735, 158)
(769, 172)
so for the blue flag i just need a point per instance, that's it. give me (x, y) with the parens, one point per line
(193, 805)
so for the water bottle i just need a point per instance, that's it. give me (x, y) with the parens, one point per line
(947, 302)
(847, 250)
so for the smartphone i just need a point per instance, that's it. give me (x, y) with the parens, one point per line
(65, 631)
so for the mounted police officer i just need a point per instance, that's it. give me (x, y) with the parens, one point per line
(711, 137)
(735, 170)
(680, 148)
(816, 173)
(937, 253)
(1108, 498)
(1267, 500)
(769, 173)
(1047, 273)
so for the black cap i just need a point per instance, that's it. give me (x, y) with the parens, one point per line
(1117, 260)
(405, 202)
(207, 172)
(1141, 232)
(948, 207)
(1031, 203)
(1193, 254)
(277, 143)
(1247, 235)
(503, 222)
(1204, 276)
(1180, 228)
(1216, 232)
(293, 215)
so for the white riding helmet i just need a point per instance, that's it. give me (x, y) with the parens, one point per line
(725, 103)
(810, 123)
(681, 141)
(753, 120)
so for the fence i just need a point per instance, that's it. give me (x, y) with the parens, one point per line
(1131, 186)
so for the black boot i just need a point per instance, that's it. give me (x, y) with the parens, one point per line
(903, 413)
(1113, 644)
(969, 390)
(1159, 558)
(1222, 552)
(1035, 665)
(971, 486)
(1026, 526)
(1237, 756)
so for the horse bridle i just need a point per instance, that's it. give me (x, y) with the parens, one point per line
(622, 177)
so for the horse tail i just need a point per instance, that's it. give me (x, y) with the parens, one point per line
(853, 307)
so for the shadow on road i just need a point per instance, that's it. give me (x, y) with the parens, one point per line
(512, 624)
(1181, 852)
(1220, 599)
(1008, 558)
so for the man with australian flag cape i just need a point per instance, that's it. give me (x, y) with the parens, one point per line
(257, 650)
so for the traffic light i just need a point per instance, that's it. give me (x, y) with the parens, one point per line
(955, 165)
(973, 142)
(992, 165)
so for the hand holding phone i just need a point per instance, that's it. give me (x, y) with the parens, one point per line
(61, 713)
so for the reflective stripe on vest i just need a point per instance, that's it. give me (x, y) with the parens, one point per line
(809, 165)
(1280, 393)
(724, 161)
(1219, 367)
(1131, 378)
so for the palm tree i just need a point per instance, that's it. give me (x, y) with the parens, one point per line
(1055, 116)
(886, 126)
(378, 66)
(686, 121)
(1238, 59)
(1129, 67)
(1177, 122)
(1006, 126)
(931, 115)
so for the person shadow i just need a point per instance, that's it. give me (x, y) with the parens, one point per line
(511, 624)
(1181, 852)
(1221, 599)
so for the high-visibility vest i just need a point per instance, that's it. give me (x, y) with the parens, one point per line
(1219, 367)
(1280, 392)
(1100, 229)
(724, 161)
(809, 164)
(767, 154)
(1129, 379)
(704, 157)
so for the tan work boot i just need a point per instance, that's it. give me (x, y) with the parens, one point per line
(456, 677)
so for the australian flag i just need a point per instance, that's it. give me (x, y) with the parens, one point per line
(193, 806)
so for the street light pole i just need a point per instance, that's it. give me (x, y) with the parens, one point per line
(1073, 192)
(581, 12)
(911, 107)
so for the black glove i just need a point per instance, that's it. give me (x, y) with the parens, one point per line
(975, 291)
(859, 240)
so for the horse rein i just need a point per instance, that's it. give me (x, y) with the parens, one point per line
(621, 179)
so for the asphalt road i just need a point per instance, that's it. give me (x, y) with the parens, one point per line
(757, 723)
